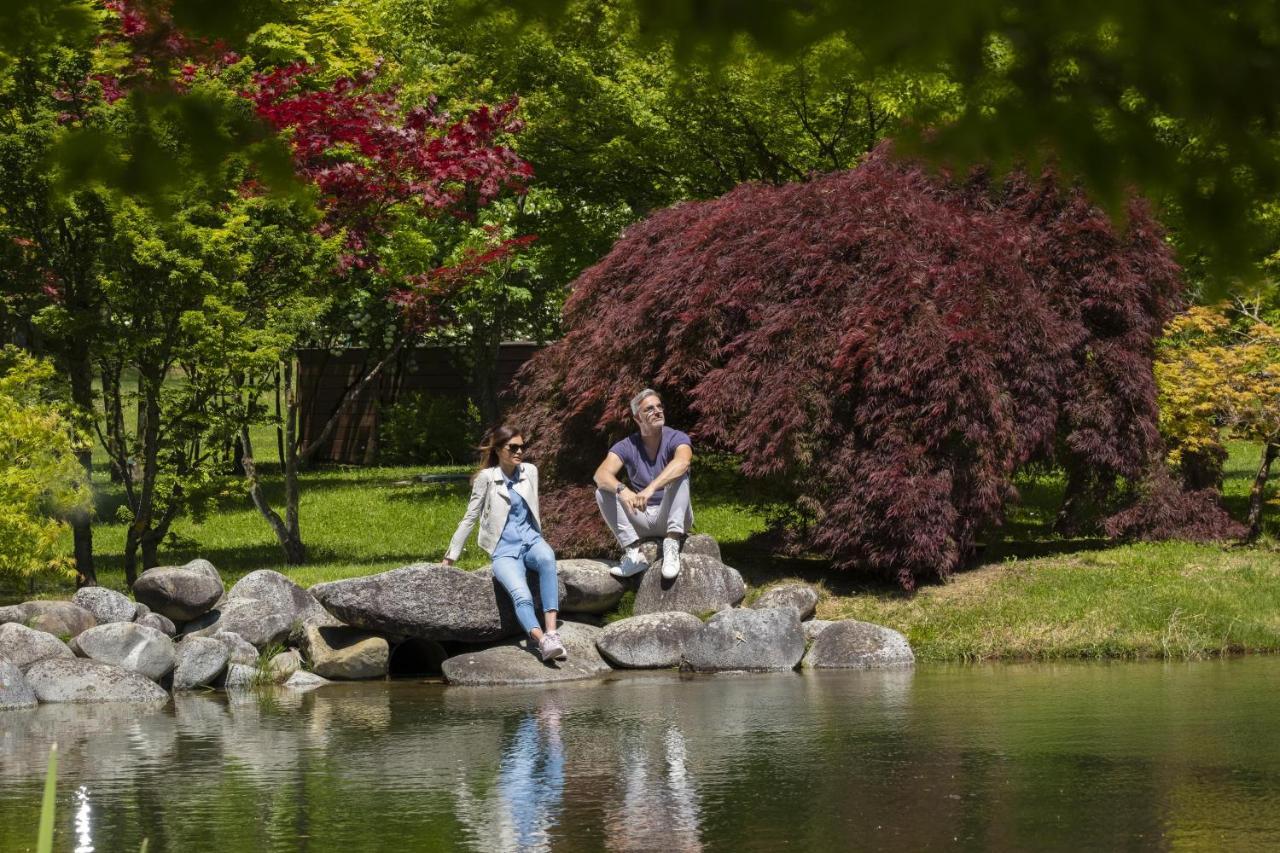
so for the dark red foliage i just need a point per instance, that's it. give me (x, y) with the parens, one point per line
(1166, 511)
(366, 154)
(893, 345)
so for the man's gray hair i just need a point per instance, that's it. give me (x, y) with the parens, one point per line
(640, 398)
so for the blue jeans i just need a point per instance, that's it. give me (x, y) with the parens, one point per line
(510, 572)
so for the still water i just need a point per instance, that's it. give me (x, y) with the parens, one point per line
(1145, 756)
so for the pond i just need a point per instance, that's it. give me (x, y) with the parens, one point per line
(1014, 757)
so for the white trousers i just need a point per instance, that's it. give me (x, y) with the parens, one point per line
(673, 516)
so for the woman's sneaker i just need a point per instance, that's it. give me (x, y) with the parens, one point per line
(551, 648)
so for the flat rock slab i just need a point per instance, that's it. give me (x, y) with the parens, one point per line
(517, 662)
(200, 661)
(181, 593)
(15, 693)
(800, 597)
(751, 640)
(106, 605)
(425, 600)
(129, 646)
(652, 641)
(23, 646)
(704, 585)
(849, 644)
(588, 586)
(346, 653)
(84, 680)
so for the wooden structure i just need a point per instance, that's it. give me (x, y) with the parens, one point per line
(325, 375)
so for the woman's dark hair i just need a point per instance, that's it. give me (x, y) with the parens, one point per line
(493, 440)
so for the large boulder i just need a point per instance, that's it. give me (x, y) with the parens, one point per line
(15, 693)
(59, 618)
(346, 653)
(259, 622)
(23, 646)
(181, 593)
(129, 646)
(200, 661)
(588, 586)
(517, 661)
(652, 641)
(849, 644)
(83, 680)
(704, 585)
(754, 640)
(800, 597)
(106, 605)
(425, 600)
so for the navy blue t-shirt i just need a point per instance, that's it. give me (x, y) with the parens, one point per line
(641, 470)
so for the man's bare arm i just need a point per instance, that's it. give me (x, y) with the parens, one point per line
(607, 474)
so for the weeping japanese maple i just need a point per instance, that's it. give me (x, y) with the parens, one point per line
(891, 344)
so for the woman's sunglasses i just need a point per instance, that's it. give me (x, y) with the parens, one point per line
(515, 448)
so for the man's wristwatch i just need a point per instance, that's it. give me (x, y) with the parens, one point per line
(618, 490)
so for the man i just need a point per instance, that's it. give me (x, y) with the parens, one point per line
(655, 499)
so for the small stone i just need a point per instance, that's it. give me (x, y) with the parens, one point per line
(140, 610)
(814, 627)
(158, 622)
(701, 543)
(284, 665)
(240, 676)
(588, 586)
(303, 681)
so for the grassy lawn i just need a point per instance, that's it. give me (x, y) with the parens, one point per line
(1031, 595)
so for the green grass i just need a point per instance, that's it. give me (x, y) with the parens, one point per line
(1031, 595)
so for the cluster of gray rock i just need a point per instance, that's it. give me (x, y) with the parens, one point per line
(186, 631)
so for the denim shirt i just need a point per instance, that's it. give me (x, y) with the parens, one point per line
(521, 530)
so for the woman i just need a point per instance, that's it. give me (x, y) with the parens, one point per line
(504, 496)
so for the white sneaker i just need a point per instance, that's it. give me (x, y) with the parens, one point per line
(633, 563)
(670, 557)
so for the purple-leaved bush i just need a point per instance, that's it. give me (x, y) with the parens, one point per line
(892, 344)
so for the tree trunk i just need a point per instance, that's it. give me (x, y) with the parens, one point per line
(130, 555)
(309, 449)
(1259, 487)
(295, 552)
(485, 347)
(81, 375)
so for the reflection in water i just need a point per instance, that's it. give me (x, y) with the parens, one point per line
(1137, 756)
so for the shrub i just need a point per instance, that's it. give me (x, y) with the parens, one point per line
(428, 429)
(892, 345)
(40, 479)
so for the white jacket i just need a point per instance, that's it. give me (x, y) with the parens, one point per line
(491, 503)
